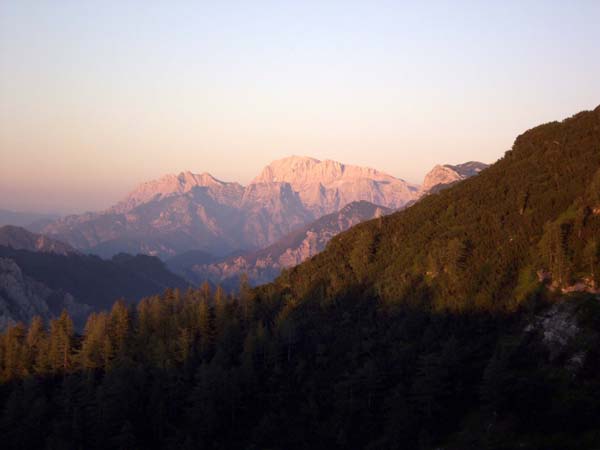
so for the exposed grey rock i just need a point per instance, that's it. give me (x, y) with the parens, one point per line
(264, 265)
(558, 327)
(22, 298)
(442, 176)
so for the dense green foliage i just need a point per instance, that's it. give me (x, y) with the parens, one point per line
(476, 244)
(442, 326)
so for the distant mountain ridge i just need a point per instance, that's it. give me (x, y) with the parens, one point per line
(21, 239)
(184, 183)
(177, 213)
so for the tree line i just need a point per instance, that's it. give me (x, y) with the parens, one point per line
(203, 369)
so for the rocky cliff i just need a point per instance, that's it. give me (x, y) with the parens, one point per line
(326, 186)
(22, 298)
(442, 176)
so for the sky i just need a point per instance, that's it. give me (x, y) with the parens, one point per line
(97, 96)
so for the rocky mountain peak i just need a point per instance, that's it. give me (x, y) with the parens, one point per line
(326, 186)
(444, 175)
(301, 171)
(167, 186)
(190, 211)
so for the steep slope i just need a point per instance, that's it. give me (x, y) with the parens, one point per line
(42, 282)
(481, 243)
(270, 211)
(442, 176)
(21, 239)
(21, 298)
(264, 265)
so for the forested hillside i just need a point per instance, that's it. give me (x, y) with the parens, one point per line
(484, 243)
(470, 320)
(200, 370)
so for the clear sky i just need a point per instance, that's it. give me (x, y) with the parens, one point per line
(96, 96)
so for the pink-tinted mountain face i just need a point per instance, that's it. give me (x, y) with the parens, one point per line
(178, 213)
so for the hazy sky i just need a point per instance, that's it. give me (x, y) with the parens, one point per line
(98, 96)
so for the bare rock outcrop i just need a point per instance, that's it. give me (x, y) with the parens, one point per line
(21, 298)
(442, 176)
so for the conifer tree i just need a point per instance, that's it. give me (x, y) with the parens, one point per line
(37, 346)
(13, 354)
(120, 327)
(61, 343)
(220, 310)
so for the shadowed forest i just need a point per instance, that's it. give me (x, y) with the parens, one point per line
(203, 370)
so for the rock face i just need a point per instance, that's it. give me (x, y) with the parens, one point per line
(178, 213)
(326, 186)
(266, 264)
(21, 297)
(442, 176)
(179, 185)
(21, 239)
(270, 210)
(45, 283)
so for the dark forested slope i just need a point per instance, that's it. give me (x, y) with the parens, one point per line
(484, 242)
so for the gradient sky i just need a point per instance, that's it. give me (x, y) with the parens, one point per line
(98, 96)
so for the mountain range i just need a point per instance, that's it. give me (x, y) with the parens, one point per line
(179, 213)
(19, 238)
